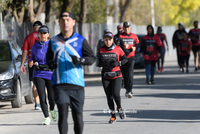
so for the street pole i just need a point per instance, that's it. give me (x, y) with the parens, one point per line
(152, 13)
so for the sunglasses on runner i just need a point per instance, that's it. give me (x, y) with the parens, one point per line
(43, 32)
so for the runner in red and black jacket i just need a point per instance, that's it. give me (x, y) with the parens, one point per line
(128, 42)
(178, 35)
(111, 57)
(184, 49)
(163, 39)
(194, 35)
(150, 48)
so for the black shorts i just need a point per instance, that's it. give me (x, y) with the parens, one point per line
(30, 70)
(74, 96)
(184, 59)
(195, 49)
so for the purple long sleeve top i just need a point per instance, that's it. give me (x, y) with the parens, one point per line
(38, 54)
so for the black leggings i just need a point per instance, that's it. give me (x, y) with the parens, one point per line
(128, 73)
(63, 115)
(112, 89)
(40, 84)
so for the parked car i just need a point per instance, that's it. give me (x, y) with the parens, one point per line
(139, 61)
(13, 84)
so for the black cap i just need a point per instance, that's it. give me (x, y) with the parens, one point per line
(119, 27)
(181, 24)
(37, 23)
(43, 28)
(106, 31)
(63, 15)
(126, 24)
(109, 34)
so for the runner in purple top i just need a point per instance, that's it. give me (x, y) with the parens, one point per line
(42, 74)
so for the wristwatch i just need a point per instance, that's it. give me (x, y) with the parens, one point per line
(82, 60)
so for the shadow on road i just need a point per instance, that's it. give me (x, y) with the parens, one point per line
(159, 116)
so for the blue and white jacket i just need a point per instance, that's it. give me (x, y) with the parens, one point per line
(60, 50)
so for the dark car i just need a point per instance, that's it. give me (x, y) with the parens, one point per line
(139, 61)
(13, 84)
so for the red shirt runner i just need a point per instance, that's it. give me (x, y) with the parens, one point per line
(29, 41)
(130, 39)
(185, 46)
(112, 55)
(194, 36)
(162, 38)
(149, 47)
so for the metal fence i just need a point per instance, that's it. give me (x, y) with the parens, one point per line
(92, 32)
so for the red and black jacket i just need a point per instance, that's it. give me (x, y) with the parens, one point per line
(194, 35)
(150, 46)
(184, 47)
(106, 55)
(162, 38)
(130, 39)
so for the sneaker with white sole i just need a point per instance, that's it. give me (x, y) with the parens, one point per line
(122, 114)
(129, 94)
(46, 121)
(37, 106)
(54, 115)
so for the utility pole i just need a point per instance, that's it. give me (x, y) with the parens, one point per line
(152, 13)
(116, 13)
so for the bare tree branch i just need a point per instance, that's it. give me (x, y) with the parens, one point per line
(71, 4)
(41, 5)
(123, 9)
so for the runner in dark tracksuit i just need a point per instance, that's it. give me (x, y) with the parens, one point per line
(119, 31)
(151, 46)
(178, 35)
(111, 57)
(128, 42)
(184, 48)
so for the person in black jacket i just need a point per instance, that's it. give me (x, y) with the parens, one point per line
(111, 57)
(178, 35)
(119, 31)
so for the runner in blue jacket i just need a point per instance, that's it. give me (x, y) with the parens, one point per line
(66, 54)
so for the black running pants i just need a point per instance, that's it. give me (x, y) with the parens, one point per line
(112, 90)
(40, 84)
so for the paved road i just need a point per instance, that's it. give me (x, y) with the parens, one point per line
(171, 106)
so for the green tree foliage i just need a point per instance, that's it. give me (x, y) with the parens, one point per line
(167, 12)
(96, 10)
(3, 4)
(179, 10)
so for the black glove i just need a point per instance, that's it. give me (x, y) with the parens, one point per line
(114, 63)
(52, 64)
(78, 61)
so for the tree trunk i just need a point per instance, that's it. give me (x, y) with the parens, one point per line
(41, 5)
(71, 4)
(47, 11)
(65, 5)
(29, 15)
(82, 14)
(31, 12)
(123, 10)
(15, 13)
